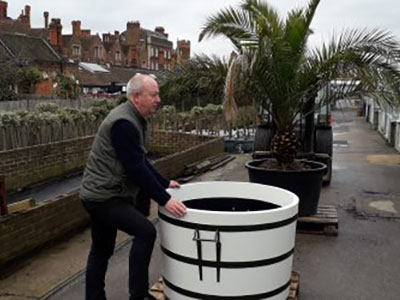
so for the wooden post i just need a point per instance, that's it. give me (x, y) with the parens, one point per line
(3, 196)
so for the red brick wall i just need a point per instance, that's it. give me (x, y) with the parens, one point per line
(28, 230)
(44, 88)
(167, 142)
(26, 166)
(173, 165)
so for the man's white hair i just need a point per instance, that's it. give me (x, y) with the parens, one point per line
(135, 84)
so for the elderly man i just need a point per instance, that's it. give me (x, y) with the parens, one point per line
(116, 172)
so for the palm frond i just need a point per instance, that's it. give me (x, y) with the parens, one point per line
(229, 104)
(235, 24)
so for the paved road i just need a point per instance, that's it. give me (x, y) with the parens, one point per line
(363, 261)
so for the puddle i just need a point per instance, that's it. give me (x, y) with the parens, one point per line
(385, 205)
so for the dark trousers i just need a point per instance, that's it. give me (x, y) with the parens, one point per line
(107, 218)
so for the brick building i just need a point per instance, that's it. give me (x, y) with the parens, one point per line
(23, 50)
(134, 47)
(145, 48)
(182, 52)
(81, 45)
(21, 25)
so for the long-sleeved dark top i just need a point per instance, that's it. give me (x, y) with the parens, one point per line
(125, 140)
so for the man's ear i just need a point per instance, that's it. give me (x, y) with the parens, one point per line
(134, 99)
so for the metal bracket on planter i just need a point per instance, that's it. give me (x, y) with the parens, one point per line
(217, 241)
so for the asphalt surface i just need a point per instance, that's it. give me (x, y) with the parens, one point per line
(362, 262)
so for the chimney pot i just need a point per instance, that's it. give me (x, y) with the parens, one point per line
(160, 29)
(46, 19)
(3, 10)
(76, 28)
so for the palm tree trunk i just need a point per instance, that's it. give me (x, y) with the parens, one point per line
(308, 140)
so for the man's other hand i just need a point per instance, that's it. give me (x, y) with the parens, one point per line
(174, 184)
(175, 207)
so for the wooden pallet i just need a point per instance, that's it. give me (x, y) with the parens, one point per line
(294, 286)
(157, 290)
(325, 221)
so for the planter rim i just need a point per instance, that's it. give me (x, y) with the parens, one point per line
(310, 162)
(227, 185)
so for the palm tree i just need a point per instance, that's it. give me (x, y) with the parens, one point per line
(198, 82)
(285, 74)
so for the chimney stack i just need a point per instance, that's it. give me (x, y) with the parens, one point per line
(55, 32)
(86, 32)
(160, 29)
(28, 14)
(3, 10)
(46, 19)
(132, 33)
(76, 28)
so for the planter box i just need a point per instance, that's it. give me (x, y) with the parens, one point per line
(306, 184)
(236, 241)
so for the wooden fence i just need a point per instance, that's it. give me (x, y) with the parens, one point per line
(31, 104)
(49, 127)
(19, 136)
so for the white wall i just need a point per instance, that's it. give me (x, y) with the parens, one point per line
(386, 116)
(397, 142)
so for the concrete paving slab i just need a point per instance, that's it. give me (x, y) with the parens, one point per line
(50, 268)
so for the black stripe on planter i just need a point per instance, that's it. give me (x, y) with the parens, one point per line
(226, 264)
(212, 297)
(227, 228)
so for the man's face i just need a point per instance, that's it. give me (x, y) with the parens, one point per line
(148, 100)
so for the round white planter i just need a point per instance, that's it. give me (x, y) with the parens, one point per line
(235, 243)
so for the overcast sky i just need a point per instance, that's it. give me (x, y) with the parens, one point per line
(183, 19)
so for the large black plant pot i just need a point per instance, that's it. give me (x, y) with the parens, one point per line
(306, 184)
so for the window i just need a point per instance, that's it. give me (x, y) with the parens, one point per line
(118, 56)
(98, 52)
(155, 52)
(76, 50)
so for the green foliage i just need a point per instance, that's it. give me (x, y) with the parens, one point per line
(51, 112)
(8, 78)
(27, 78)
(196, 112)
(121, 99)
(168, 110)
(104, 103)
(47, 107)
(66, 87)
(198, 82)
(284, 75)
(9, 119)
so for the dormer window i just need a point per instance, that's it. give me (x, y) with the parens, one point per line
(76, 50)
(98, 52)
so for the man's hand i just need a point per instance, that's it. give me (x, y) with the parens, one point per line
(175, 207)
(174, 184)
